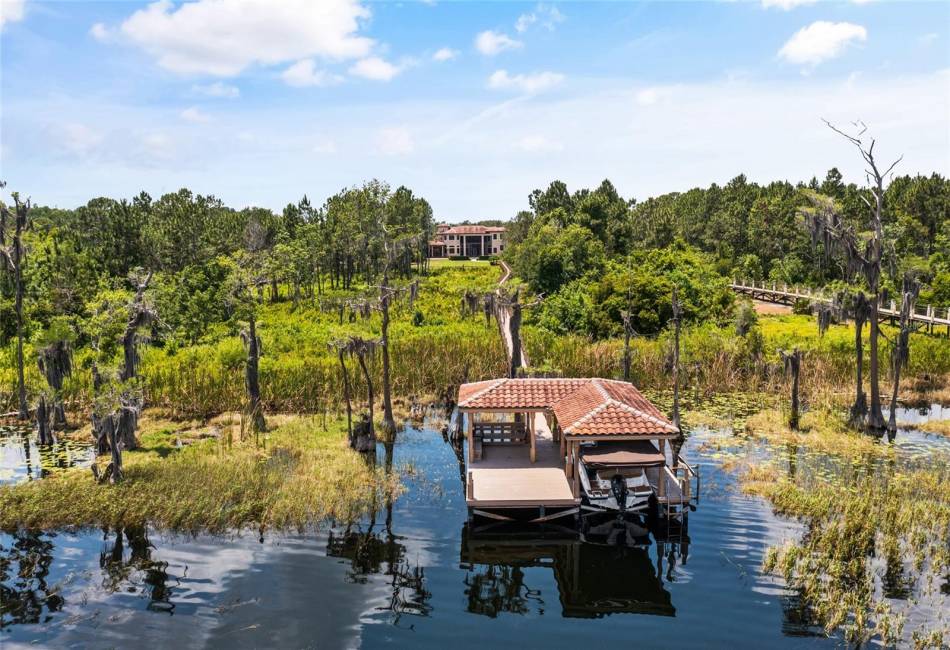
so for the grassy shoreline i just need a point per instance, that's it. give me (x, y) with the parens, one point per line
(206, 479)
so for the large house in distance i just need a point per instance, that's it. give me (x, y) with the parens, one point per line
(470, 241)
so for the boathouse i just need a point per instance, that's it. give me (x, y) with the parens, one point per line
(525, 437)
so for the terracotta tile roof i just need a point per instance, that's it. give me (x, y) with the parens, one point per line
(472, 230)
(583, 407)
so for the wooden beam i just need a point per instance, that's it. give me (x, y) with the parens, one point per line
(563, 513)
(575, 483)
(491, 515)
(568, 461)
(534, 453)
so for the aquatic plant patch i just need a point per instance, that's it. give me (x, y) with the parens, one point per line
(294, 476)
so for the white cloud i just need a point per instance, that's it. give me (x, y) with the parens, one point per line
(375, 68)
(156, 147)
(395, 141)
(538, 144)
(445, 54)
(820, 41)
(11, 11)
(304, 73)
(648, 96)
(928, 39)
(217, 89)
(223, 38)
(193, 114)
(525, 83)
(547, 16)
(79, 139)
(786, 5)
(99, 32)
(491, 43)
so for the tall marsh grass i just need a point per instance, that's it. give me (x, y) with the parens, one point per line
(299, 475)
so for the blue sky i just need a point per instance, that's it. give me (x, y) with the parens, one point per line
(470, 104)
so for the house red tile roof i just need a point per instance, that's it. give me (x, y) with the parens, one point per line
(471, 230)
(583, 407)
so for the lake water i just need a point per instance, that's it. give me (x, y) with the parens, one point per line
(414, 575)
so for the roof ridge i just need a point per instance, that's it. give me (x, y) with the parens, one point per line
(494, 383)
(586, 417)
(632, 409)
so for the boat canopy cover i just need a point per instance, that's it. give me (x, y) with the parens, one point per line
(641, 453)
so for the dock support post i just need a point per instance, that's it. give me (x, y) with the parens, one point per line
(470, 433)
(531, 435)
(569, 460)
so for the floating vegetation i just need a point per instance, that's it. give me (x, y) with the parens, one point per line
(877, 521)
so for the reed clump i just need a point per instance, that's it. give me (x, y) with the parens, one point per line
(716, 359)
(208, 479)
(876, 523)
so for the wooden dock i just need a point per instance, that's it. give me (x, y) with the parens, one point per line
(783, 294)
(504, 475)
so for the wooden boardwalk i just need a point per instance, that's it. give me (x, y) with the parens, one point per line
(782, 294)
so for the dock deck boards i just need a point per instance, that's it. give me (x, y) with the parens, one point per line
(505, 476)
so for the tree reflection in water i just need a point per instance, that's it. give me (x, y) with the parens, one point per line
(378, 551)
(135, 571)
(24, 568)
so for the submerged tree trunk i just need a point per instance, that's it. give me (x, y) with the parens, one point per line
(901, 352)
(251, 379)
(43, 429)
(389, 422)
(875, 420)
(793, 364)
(859, 409)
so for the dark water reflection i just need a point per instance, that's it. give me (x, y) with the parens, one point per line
(416, 574)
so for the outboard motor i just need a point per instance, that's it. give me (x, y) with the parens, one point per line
(618, 486)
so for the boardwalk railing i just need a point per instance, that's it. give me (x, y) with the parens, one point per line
(784, 294)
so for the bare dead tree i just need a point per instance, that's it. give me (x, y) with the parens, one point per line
(141, 314)
(115, 420)
(862, 256)
(13, 255)
(793, 366)
(55, 362)
(341, 351)
(364, 434)
(386, 294)
(514, 329)
(488, 307)
(900, 350)
(860, 312)
(252, 343)
(677, 319)
(628, 333)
